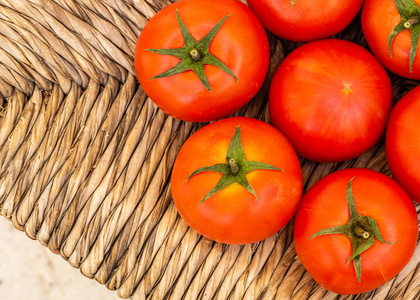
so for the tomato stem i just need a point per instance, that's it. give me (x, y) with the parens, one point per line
(234, 168)
(195, 54)
(412, 21)
(359, 231)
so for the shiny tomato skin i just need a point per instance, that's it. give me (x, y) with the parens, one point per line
(305, 20)
(241, 44)
(324, 205)
(233, 215)
(402, 143)
(331, 99)
(379, 17)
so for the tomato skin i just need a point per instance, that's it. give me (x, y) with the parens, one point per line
(306, 20)
(379, 17)
(324, 205)
(241, 43)
(402, 143)
(233, 215)
(309, 104)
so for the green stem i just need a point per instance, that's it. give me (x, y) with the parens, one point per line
(195, 54)
(412, 21)
(359, 231)
(234, 168)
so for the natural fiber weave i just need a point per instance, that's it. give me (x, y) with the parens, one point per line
(86, 159)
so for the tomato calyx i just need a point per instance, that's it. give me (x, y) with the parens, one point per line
(410, 19)
(194, 55)
(361, 230)
(235, 168)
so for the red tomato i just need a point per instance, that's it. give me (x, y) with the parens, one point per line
(238, 213)
(331, 99)
(305, 20)
(239, 48)
(379, 18)
(402, 143)
(326, 256)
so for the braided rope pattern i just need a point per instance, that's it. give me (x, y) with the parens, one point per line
(86, 159)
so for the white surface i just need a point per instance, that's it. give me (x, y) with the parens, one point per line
(30, 271)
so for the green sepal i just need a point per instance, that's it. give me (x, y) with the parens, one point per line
(235, 150)
(188, 39)
(359, 249)
(235, 168)
(376, 232)
(357, 263)
(331, 230)
(400, 27)
(415, 33)
(177, 52)
(198, 69)
(242, 180)
(182, 66)
(410, 18)
(224, 182)
(187, 62)
(255, 165)
(364, 223)
(350, 200)
(221, 168)
(406, 8)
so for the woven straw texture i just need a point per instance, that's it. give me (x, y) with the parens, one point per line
(86, 159)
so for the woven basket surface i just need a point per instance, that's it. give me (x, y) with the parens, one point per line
(86, 159)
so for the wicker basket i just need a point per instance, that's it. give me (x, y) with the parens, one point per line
(86, 158)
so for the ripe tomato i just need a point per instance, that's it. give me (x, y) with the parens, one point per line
(368, 199)
(402, 143)
(305, 20)
(237, 204)
(214, 66)
(331, 99)
(379, 19)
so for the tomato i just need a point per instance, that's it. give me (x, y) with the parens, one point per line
(237, 181)
(383, 230)
(379, 19)
(402, 143)
(331, 99)
(305, 20)
(212, 68)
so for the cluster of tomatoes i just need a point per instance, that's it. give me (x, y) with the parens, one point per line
(239, 180)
